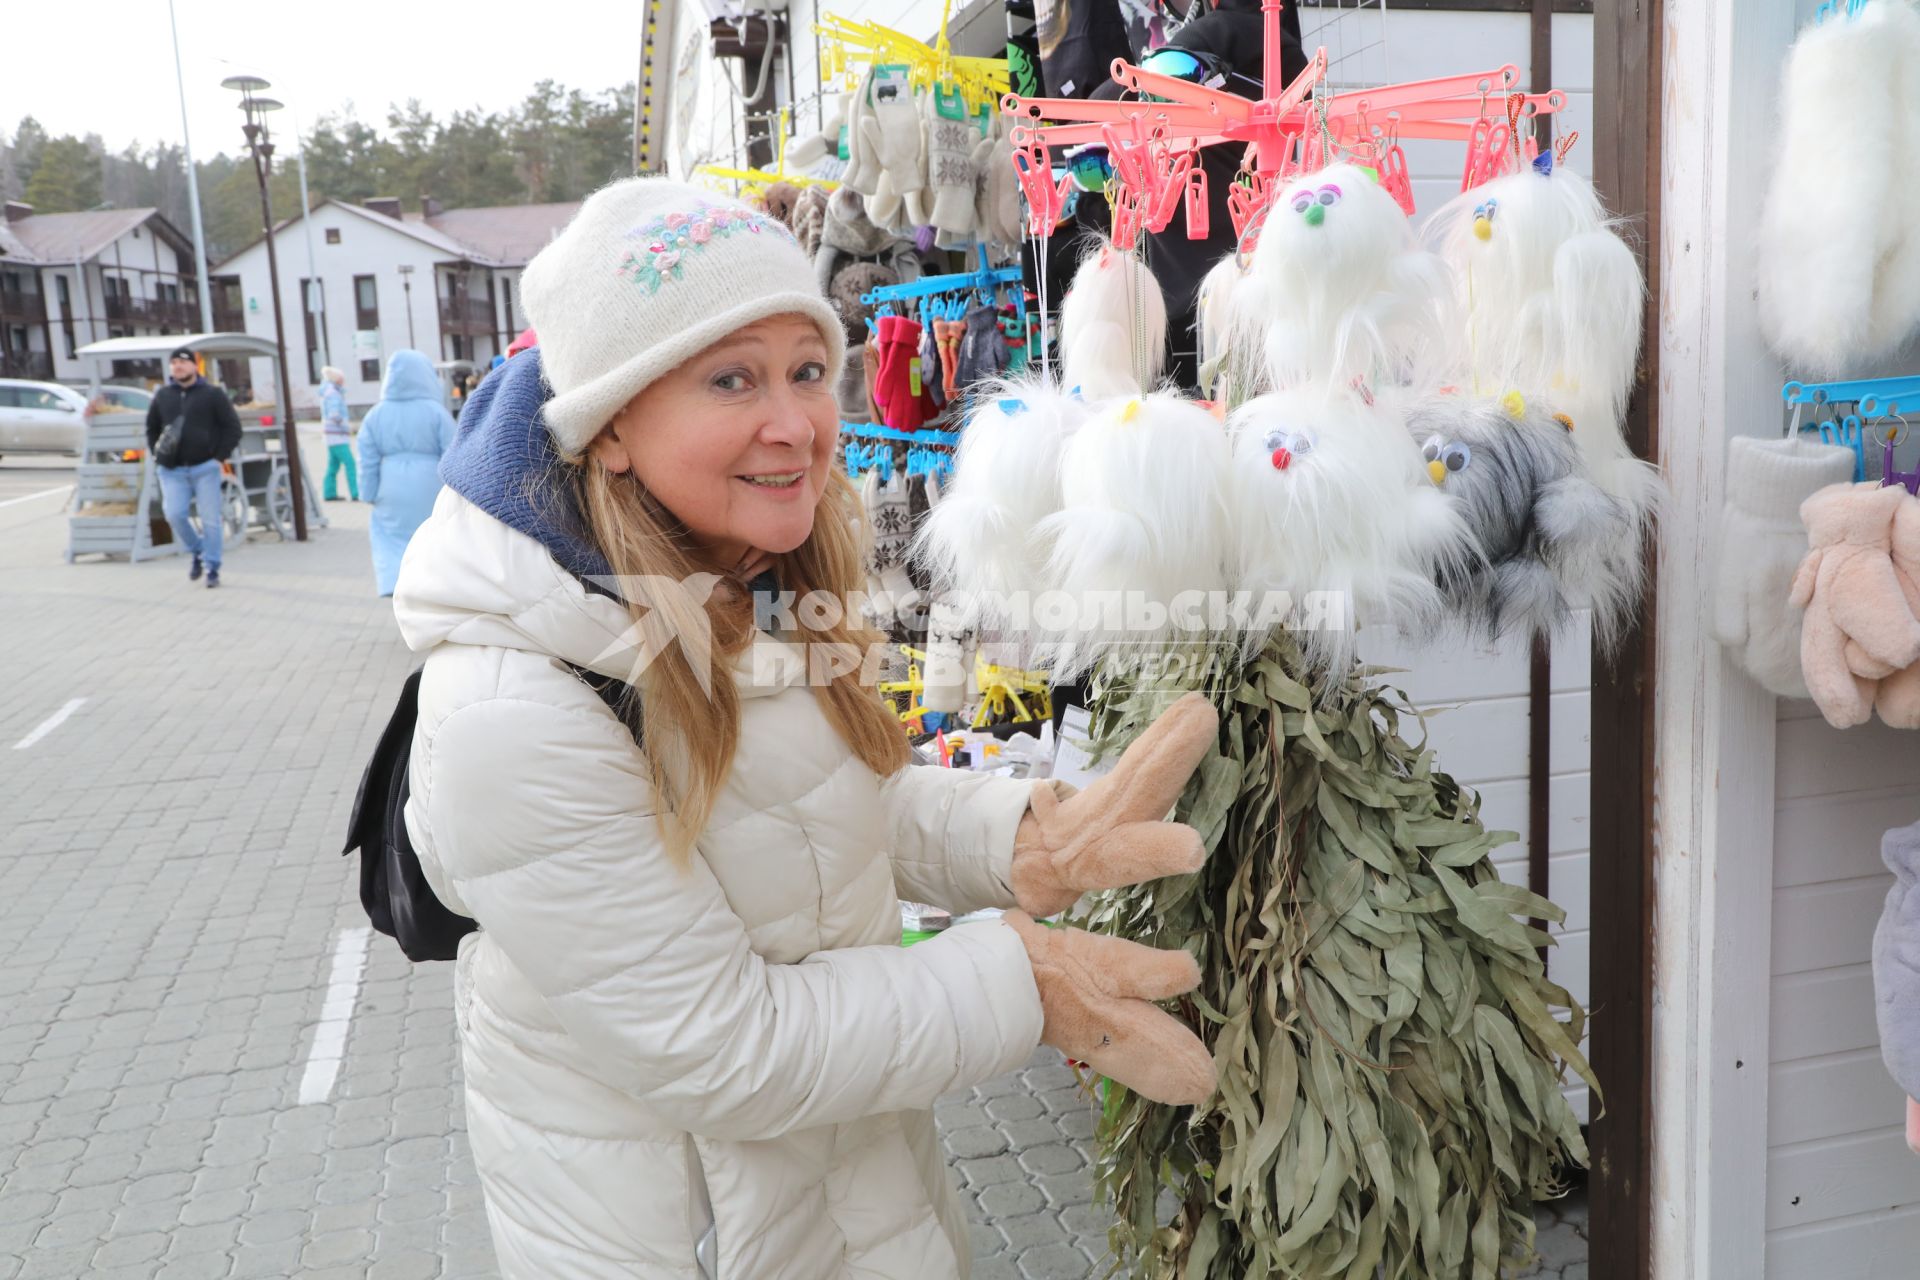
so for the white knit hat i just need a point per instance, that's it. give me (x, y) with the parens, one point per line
(647, 275)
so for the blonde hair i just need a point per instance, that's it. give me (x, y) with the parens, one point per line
(640, 536)
(330, 374)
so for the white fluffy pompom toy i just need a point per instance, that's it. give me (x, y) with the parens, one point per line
(979, 540)
(1553, 300)
(1144, 517)
(1113, 327)
(1331, 496)
(1337, 289)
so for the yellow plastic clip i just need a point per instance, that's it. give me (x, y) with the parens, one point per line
(1130, 410)
(1515, 404)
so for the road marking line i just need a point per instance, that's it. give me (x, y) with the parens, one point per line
(336, 1015)
(44, 493)
(48, 725)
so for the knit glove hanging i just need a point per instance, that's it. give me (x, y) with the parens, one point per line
(950, 334)
(951, 139)
(1113, 833)
(903, 406)
(886, 504)
(983, 351)
(1761, 544)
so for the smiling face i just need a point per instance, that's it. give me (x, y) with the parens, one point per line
(738, 441)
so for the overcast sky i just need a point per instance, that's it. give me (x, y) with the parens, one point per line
(106, 66)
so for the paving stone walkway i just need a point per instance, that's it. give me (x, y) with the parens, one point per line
(171, 904)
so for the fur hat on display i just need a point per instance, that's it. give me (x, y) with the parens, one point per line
(647, 275)
(847, 234)
(850, 282)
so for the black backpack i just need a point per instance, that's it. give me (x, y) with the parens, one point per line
(393, 889)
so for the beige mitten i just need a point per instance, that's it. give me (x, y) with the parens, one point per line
(1094, 1002)
(1114, 833)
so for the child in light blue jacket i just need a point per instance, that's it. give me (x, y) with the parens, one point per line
(338, 432)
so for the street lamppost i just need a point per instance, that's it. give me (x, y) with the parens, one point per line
(260, 146)
(406, 287)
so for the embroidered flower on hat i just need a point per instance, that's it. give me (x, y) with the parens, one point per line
(671, 237)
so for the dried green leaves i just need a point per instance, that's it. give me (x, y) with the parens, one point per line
(1388, 1052)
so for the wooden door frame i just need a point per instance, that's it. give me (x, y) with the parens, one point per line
(1626, 167)
(1683, 742)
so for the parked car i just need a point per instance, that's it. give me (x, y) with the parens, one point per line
(122, 400)
(41, 417)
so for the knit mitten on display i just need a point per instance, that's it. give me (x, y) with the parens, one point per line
(898, 389)
(806, 152)
(1114, 833)
(1896, 960)
(1849, 590)
(863, 160)
(1095, 995)
(870, 365)
(996, 213)
(951, 139)
(886, 504)
(891, 131)
(1761, 544)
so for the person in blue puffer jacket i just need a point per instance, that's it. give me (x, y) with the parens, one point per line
(401, 441)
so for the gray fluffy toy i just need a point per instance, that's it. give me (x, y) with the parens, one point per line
(1548, 534)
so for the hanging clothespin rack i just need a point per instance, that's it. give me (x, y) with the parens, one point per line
(849, 47)
(761, 178)
(984, 281)
(1872, 399)
(1153, 144)
(1838, 9)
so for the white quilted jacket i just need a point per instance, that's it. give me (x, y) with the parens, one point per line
(746, 1046)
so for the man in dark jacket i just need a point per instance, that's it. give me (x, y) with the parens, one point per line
(203, 431)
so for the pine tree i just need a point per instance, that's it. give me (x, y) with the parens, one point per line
(66, 178)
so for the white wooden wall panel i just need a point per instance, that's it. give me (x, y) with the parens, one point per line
(1868, 1246)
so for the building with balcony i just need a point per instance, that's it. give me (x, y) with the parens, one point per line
(359, 282)
(67, 279)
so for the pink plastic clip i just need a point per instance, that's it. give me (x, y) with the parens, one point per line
(1045, 200)
(1199, 217)
(1394, 178)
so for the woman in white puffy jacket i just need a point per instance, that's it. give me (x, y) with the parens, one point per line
(693, 1045)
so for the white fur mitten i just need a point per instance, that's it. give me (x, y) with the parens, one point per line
(1761, 545)
(950, 143)
(1839, 263)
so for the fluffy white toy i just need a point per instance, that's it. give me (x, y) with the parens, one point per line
(1330, 495)
(1839, 264)
(1144, 513)
(1553, 300)
(979, 540)
(1215, 319)
(1113, 327)
(1338, 290)
(1552, 539)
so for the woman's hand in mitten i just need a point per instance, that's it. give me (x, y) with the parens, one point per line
(1113, 833)
(1094, 1002)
